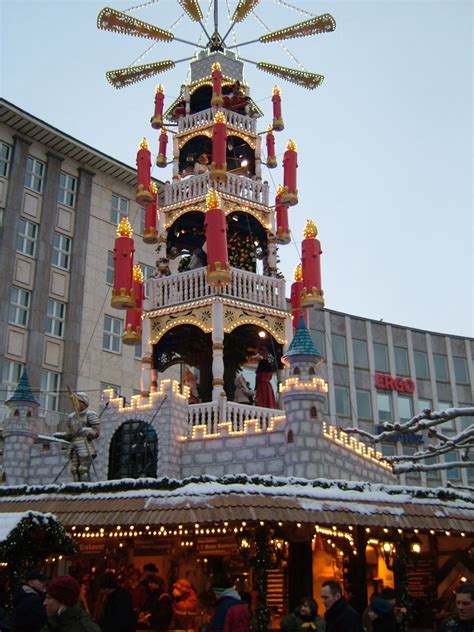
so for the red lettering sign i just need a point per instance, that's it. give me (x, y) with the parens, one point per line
(399, 384)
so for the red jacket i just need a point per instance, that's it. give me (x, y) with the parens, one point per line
(237, 619)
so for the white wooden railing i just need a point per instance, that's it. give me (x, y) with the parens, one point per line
(192, 285)
(206, 117)
(209, 417)
(197, 186)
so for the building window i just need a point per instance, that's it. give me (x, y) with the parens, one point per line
(112, 338)
(421, 365)
(460, 370)
(449, 426)
(453, 473)
(106, 385)
(364, 406)
(5, 157)
(109, 271)
(343, 402)
(67, 189)
(148, 271)
(441, 367)
(61, 251)
(119, 209)
(19, 306)
(434, 476)
(405, 407)
(361, 357)
(26, 238)
(138, 352)
(401, 361)
(381, 357)
(34, 174)
(388, 449)
(384, 406)
(339, 350)
(133, 451)
(55, 318)
(425, 404)
(318, 339)
(11, 376)
(467, 420)
(49, 395)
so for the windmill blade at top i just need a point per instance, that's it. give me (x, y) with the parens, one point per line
(192, 8)
(319, 24)
(243, 9)
(308, 80)
(118, 22)
(123, 77)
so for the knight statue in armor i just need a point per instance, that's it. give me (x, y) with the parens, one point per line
(83, 427)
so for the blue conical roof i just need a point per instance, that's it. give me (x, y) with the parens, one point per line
(23, 392)
(302, 343)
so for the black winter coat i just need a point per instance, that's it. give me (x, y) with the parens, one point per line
(118, 615)
(29, 614)
(387, 623)
(454, 624)
(341, 617)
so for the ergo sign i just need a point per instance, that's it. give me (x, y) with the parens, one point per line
(399, 384)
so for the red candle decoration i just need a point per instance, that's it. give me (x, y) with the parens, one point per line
(271, 158)
(296, 292)
(283, 235)
(290, 165)
(217, 99)
(218, 170)
(133, 320)
(278, 124)
(161, 159)
(150, 232)
(311, 259)
(144, 173)
(122, 292)
(157, 118)
(215, 225)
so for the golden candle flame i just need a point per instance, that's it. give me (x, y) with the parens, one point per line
(216, 66)
(153, 187)
(124, 228)
(270, 129)
(213, 199)
(276, 90)
(219, 118)
(298, 273)
(160, 88)
(144, 144)
(310, 230)
(291, 145)
(137, 273)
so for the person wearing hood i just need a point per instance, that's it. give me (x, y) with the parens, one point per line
(304, 618)
(339, 615)
(382, 616)
(29, 614)
(63, 608)
(231, 614)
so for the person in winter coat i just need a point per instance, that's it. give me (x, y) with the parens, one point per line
(304, 618)
(63, 609)
(463, 621)
(382, 616)
(339, 615)
(118, 614)
(29, 614)
(158, 609)
(231, 614)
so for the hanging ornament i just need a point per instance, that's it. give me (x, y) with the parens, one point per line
(217, 99)
(150, 232)
(290, 165)
(218, 170)
(133, 320)
(283, 235)
(144, 173)
(278, 124)
(161, 159)
(311, 259)
(271, 158)
(157, 118)
(296, 292)
(215, 225)
(122, 292)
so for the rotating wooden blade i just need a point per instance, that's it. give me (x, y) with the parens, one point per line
(192, 8)
(243, 9)
(123, 77)
(305, 79)
(319, 24)
(118, 22)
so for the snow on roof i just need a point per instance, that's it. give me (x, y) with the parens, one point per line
(9, 521)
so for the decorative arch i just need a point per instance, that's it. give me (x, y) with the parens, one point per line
(133, 451)
(200, 317)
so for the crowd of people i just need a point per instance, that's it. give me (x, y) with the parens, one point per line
(142, 601)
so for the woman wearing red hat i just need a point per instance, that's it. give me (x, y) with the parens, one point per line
(63, 609)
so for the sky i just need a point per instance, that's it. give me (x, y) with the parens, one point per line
(384, 145)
